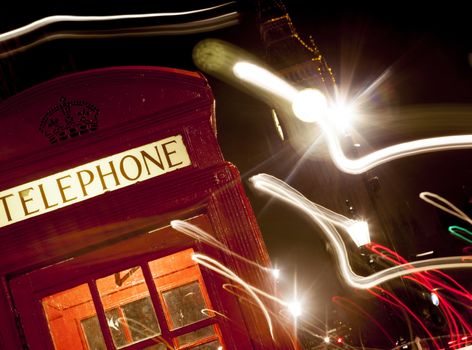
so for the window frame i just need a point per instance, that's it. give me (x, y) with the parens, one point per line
(40, 287)
(163, 318)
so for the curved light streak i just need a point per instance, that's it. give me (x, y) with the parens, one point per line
(134, 324)
(430, 282)
(192, 27)
(428, 277)
(385, 155)
(460, 288)
(208, 313)
(449, 208)
(73, 18)
(269, 82)
(453, 230)
(283, 191)
(282, 316)
(264, 79)
(397, 302)
(198, 234)
(447, 309)
(467, 250)
(219, 268)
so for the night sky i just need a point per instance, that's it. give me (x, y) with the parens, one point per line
(426, 52)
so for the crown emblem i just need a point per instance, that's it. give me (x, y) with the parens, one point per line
(69, 119)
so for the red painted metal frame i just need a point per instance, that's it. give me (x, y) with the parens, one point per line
(114, 257)
(138, 105)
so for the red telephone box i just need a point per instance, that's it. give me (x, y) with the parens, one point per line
(94, 167)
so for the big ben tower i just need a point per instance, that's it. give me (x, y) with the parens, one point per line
(301, 63)
(297, 61)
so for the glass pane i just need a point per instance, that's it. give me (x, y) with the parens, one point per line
(214, 345)
(172, 263)
(185, 304)
(199, 334)
(67, 309)
(141, 319)
(93, 333)
(129, 310)
(118, 331)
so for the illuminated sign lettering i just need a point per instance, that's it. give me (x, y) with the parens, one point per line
(92, 179)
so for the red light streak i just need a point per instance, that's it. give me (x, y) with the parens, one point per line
(398, 303)
(431, 282)
(339, 300)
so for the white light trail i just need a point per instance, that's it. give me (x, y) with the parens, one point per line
(210, 312)
(425, 253)
(262, 78)
(139, 328)
(357, 230)
(282, 316)
(294, 307)
(283, 191)
(198, 234)
(201, 235)
(72, 18)
(269, 82)
(216, 266)
(451, 208)
(385, 155)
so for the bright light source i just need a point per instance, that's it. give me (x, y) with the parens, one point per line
(295, 308)
(342, 114)
(326, 340)
(340, 340)
(276, 273)
(219, 348)
(434, 299)
(309, 105)
(359, 232)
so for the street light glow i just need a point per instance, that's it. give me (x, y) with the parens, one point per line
(359, 232)
(309, 105)
(342, 114)
(283, 191)
(295, 308)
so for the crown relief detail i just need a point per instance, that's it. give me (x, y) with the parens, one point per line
(69, 119)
